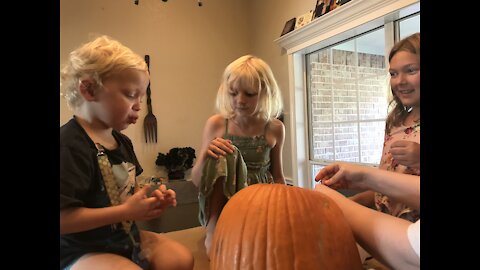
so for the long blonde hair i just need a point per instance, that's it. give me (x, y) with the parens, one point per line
(250, 72)
(98, 59)
(398, 114)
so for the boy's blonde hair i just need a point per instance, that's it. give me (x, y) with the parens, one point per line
(98, 59)
(250, 72)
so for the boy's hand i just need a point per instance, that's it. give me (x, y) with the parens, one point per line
(166, 197)
(139, 206)
(152, 188)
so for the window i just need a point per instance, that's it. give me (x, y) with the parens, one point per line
(347, 97)
(339, 84)
(408, 25)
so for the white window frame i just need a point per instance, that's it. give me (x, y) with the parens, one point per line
(351, 19)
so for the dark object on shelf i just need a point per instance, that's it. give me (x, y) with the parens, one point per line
(324, 6)
(289, 26)
(327, 6)
(177, 161)
(341, 2)
(333, 5)
(318, 9)
(135, 2)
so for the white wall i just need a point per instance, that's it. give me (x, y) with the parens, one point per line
(189, 46)
(269, 17)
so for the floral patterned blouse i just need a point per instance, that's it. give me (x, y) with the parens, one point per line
(382, 202)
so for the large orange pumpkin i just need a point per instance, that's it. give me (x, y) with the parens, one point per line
(274, 226)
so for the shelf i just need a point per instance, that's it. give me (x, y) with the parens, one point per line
(339, 23)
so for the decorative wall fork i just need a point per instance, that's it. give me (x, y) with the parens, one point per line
(150, 121)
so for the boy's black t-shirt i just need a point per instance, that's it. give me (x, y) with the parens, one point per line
(81, 185)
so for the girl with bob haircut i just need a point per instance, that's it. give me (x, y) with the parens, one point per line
(245, 129)
(253, 73)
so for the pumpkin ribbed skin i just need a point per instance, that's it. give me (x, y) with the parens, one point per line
(274, 226)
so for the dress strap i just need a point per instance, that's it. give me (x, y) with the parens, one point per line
(226, 127)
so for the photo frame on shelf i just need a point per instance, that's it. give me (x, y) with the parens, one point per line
(289, 26)
(333, 5)
(324, 6)
(318, 9)
(341, 2)
(304, 19)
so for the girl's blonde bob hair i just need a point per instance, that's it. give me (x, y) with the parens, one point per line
(98, 59)
(250, 72)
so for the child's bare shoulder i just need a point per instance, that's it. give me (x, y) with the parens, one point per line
(276, 128)
(215, 122)
(276, 125)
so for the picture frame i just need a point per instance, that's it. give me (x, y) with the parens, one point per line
(341, 2)
(289, 26)
(304, 19)
(318, 9)
(333, 5)
(324, 6)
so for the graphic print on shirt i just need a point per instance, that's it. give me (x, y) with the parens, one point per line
(125, 177)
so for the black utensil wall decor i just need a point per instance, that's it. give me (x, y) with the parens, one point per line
(150, 121)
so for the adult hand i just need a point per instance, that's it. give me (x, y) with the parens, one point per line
(406, 153)
(343, 176)
(219, 147)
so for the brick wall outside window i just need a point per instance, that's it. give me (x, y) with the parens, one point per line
(348, 104)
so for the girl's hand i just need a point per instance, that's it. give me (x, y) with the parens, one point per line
(219, 147)
(406, 153)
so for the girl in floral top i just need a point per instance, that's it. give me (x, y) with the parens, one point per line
(401, 149)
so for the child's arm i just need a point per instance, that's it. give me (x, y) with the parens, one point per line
(136, 207)
(278, 131)
(365, 198)
(382, 235)
(79, 219)
(402, 187)
(212, 145)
